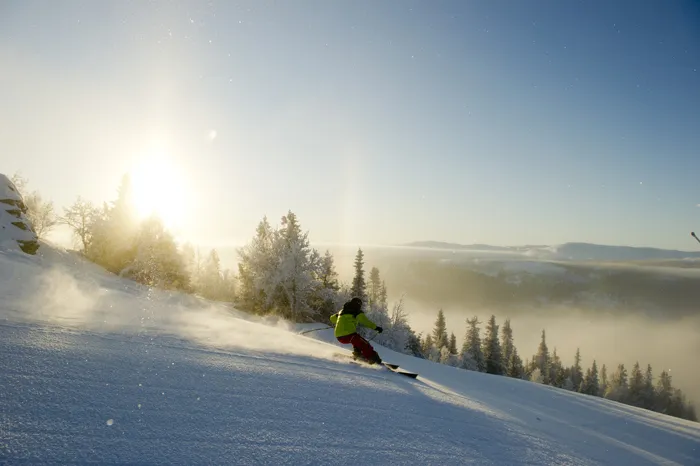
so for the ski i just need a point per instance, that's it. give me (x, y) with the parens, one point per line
(392, 367)
(395, 368)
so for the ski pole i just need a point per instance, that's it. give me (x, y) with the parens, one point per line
(313, 330)
(692, 233)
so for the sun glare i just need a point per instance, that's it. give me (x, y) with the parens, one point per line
(158, 188)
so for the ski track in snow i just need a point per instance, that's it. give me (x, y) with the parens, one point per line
(78, 385)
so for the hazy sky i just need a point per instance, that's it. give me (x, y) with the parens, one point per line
(501, 122)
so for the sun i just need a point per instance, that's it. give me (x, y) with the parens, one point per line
(158, 187)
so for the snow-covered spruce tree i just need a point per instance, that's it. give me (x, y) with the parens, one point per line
(514, 368)
(440, 331)
(542, 361)
(157, 261)
(472, 357)
(604, 383)
(453, 344)
(648, 391)
(555, 370)
(507, 345)
(257, 263)
(576, 371)
(383, 295)
(590, 384)
(635, 392)
(617, 389)
(664, 393)
(294, 280)
(492, 348)
(375, 287)
(114, 231)
(328, 296)
(359, 287)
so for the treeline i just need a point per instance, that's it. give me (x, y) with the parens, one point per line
(113, 237)
(496, 354)
(279, 273)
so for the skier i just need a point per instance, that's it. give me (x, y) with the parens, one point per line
(346, 322)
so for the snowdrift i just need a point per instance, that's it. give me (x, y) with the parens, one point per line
(99, 369)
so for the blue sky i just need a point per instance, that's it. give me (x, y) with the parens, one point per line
(376, 122)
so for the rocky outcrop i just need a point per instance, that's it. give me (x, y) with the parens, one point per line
(15, 229)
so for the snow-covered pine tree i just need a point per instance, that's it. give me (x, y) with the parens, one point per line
(576, 371)
(472, 357)
(294, 280)
(328, 297)
(492, 348)
(359, 287)
(591, 384)
(258, 261)
(440, 331)
(635, 394)
(507, 344)
(542, 360)
(453, 344)
(210, 282)
(603, 381)
(375, 286)
(648, 391)
(617, 389)
(664, 393)
(383, 295)
(514, 368)
(555, 368)
(157, 261)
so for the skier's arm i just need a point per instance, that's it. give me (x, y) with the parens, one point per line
(334, 319)
(365, 322)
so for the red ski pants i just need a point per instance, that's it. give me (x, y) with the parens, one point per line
(359, 343)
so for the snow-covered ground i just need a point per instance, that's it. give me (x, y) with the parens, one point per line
(95, 369)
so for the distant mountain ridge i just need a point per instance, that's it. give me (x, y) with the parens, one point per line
(568, 251)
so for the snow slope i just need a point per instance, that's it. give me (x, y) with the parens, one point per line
(99, 369)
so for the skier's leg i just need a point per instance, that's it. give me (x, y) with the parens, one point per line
(365, 348)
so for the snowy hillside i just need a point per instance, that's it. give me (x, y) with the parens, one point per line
(100, 369)
(15, 230)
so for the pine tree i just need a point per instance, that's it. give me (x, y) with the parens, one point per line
(375, 287)
(648, 391)
(542, 359)
(453, 344)
(576, 372)
(359, 287)
(507, 345)
(603, 381)
(635, 394)
(472, 356)
(256, 266)
(664, 393)
(617, 389)
(492, 348)
(591, 384)
(328, 296)
(157, 261)
(383, 300)
(514, 368)
(294, 281)
(555, 368)
(440, 331)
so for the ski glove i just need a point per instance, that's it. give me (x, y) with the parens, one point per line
(379, 329)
